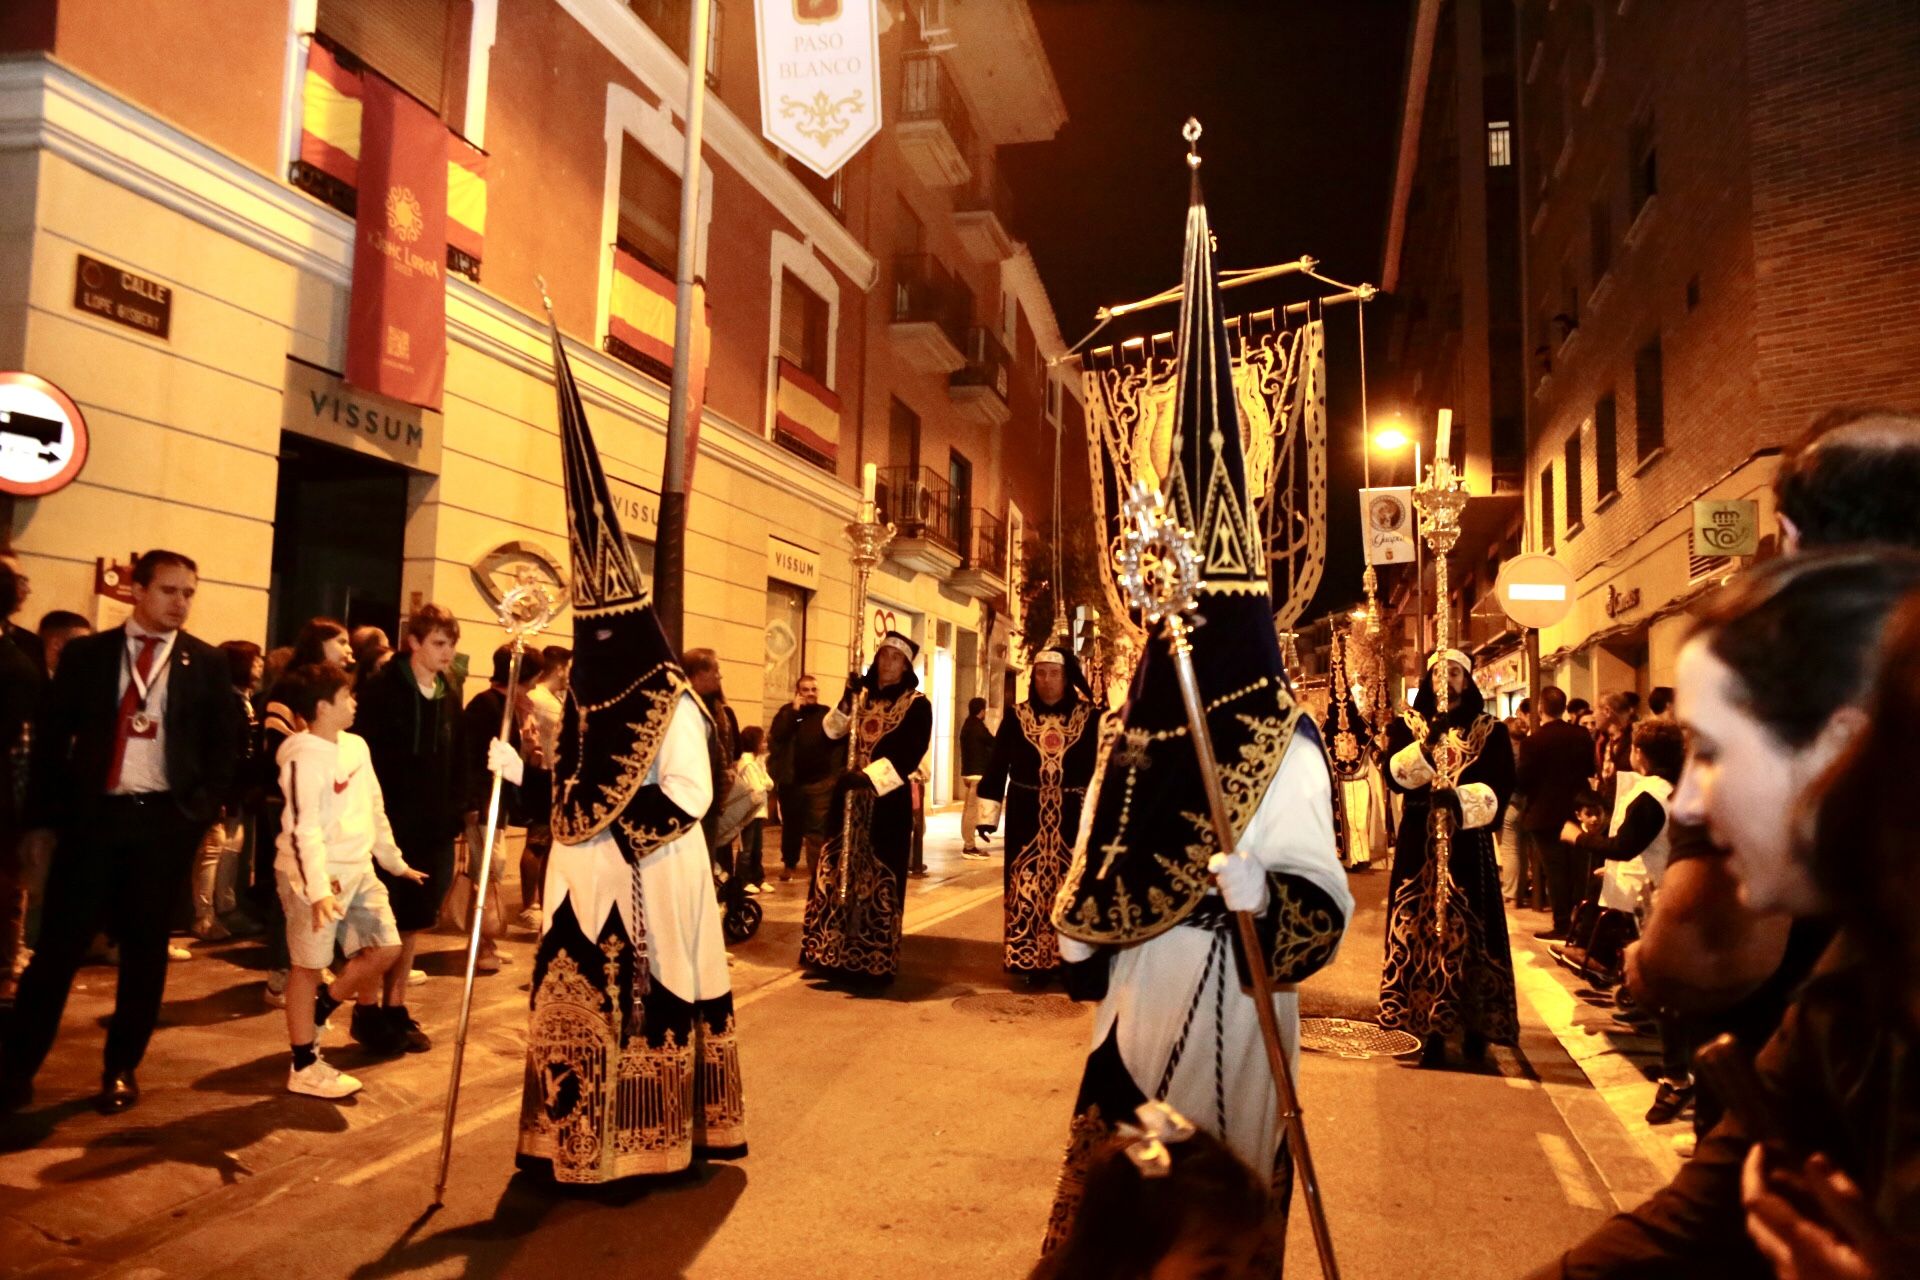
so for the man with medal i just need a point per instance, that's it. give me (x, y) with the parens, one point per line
(135, 746)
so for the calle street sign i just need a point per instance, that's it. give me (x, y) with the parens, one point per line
(1536, 590)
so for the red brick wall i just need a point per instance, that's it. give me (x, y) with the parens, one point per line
(1684, 63)
(1835, 103)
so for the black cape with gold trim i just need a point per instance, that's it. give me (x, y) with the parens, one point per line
(1043, 758)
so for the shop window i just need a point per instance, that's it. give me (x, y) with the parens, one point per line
(407, 41)
(1649, 401)
(1606, 455)
(786, 646)
(649, 226)
(803, 327)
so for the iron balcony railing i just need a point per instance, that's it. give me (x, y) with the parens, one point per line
(925, 292)
(918, 502)
(986, 545)
(988, 364)
(986, 192)
(927, 92)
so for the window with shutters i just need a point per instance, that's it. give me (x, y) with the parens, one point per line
(413, 43)
(1649, 401)
(803, 327)
(1573, 484)
(1546, 508)
(672, 21)
(649, 226)
(1606, 453)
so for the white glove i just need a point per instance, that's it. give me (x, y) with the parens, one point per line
(1073, 951)
(505, 761)
(1242, 881)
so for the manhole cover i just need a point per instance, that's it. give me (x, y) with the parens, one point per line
(1349, 1038)
(1004, 1006)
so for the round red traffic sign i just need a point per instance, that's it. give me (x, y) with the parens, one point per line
(43, 437)
(1536, 590)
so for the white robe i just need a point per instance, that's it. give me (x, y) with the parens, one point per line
(686, 951)
(1153, 983)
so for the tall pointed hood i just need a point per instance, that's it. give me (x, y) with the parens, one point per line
(626, 678)
(1140, 865)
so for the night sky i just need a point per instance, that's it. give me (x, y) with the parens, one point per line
(1299, 100)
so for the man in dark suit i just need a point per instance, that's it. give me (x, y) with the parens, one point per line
(134, 747)
(1554, 767)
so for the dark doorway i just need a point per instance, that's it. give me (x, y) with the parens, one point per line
(339, 534)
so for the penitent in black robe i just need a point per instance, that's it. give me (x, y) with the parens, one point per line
(1438, 982)
(1043, 759)
(858, 933)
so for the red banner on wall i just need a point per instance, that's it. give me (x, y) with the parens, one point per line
(397, 323)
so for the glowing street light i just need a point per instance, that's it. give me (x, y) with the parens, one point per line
(1390, 439)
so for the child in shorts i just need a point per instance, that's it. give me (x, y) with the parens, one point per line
(334, 827)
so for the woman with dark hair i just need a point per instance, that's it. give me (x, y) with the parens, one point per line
(1774, 689)
(1448, 966)
(222, 848)
(324, 642)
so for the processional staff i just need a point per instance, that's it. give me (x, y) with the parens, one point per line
(1441, 497)
(867, 538)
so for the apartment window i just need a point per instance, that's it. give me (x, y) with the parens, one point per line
(1606, 449)
(803, 327)
(649, 208)
(960, 495)
(1546, 508)
(1600, 238)
(1499, 144)
(1573, 483)
(909, 233)
(1643, 164)
(1567, 320)
(831, 192)
(672, 21)
(407, 41)
(903, 436)
(1649, 400)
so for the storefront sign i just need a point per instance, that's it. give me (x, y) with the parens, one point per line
(43, 437)
(107, 291)
(1387, 526)
(820, 78)
(1726, 527)
(791, 562)
(321, 405)
(397, 318)
(1619, 602)
(882, 618)
(637, 507)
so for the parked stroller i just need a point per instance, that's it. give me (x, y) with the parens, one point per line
(740, 913)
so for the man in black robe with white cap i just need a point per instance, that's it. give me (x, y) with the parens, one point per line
(854, 905)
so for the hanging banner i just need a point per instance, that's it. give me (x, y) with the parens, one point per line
(397, 321)
(819, 78)
(1387, 525)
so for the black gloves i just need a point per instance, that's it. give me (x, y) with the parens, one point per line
(984, 832)
(854, 780)
(853, 687)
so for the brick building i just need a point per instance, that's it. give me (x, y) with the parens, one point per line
(886, 315)
(1721, 211)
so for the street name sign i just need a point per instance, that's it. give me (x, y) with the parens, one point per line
(1536, 590)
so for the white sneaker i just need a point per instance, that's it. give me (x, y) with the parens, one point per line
(178, 953)
(752, 889)
(318, 1080)
(530, 920)
(416, 976)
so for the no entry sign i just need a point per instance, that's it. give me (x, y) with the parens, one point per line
(1536, 590)
(43, 438)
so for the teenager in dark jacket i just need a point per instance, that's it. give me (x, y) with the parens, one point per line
(410, 716)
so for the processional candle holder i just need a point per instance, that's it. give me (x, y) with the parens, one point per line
(1441, 498)
(868, 537)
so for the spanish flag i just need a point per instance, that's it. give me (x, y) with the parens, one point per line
(331, 111)
(640, 312)
(807, 413)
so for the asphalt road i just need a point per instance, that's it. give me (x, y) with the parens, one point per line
(913, 1134)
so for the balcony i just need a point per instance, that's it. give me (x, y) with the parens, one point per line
(933, 130)
(983, 572)
(929, 327)
(917, 501)
(983, 215)
(978, 388)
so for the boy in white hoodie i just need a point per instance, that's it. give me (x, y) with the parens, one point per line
(334, 827)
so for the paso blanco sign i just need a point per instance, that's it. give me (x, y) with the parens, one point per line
(819, 78)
